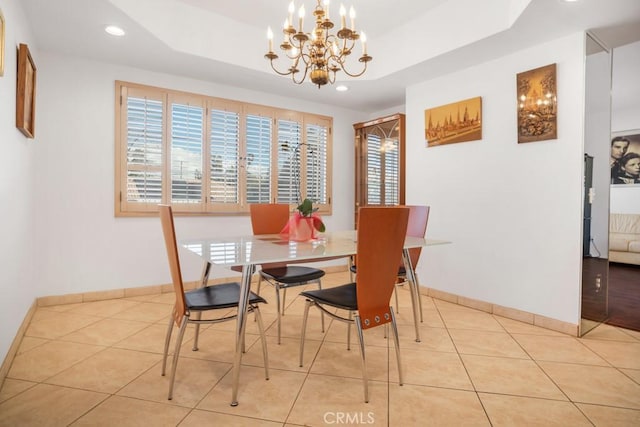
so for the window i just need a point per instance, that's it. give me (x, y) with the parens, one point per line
(209, 155)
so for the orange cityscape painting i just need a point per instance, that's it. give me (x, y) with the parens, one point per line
(457, 122)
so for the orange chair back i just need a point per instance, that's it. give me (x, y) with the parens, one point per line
(417, 227)
(381, 234)
(166, 218)
(268, 218)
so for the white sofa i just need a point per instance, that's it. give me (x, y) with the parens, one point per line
(624, 238)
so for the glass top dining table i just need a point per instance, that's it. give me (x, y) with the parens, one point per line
(250, 251)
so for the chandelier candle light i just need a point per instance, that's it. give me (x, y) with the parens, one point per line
(319, 54)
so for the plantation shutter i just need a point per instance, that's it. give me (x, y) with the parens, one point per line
(143, 160)
(374, 170)
(257, 161)
(224, 145)
(289, 163)
(207, 155)
(186, 154)
(390, 153)
(316, 162)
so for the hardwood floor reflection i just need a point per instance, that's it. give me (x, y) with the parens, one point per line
(624, 296)
(594, 288)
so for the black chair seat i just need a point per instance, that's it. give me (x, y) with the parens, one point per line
(343, 297)
(225, 295)
(292, 275)
(401, 270)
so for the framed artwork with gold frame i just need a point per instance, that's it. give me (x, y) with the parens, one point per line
(1, 44)
(26, 92)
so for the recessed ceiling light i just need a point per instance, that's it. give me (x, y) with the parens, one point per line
(342, 88)
(114, 30)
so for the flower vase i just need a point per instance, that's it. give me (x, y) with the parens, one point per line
(303, 229)
(300, 228)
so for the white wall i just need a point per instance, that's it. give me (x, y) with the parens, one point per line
(17, 210)
(626, 117)
(513, 211)
(387, 112)
(85, 248)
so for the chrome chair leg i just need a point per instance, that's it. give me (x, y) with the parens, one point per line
(420, 302)
(198, 316)
(258, 290)
(206, 269)
(166, 345)
(176, 354)
(349, 331)
(321, 313)
(396, 342)
(284, 298)
(307, 305)
(365, 378)
(259, 283)
(395, 291)
(263, 338)
(277, 289)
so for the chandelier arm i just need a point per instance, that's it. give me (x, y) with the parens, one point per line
(332, 77)
(280, 72)
(354, 75)
(306, 58)
(304, 76)
(298, 44)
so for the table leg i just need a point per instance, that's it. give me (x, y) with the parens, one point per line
(413, 288)
(245, 288)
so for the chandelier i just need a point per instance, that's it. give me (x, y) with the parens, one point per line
(318, 54)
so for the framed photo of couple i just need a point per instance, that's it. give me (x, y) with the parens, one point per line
(625, 157)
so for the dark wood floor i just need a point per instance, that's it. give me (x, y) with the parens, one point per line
(594, 288)
(624, 296)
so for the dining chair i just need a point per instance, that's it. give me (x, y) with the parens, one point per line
(380, 239)
(270, 218)
(417, 227)
(189, 306)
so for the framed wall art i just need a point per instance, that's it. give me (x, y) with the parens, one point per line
(1, 44)
(625, 158)
(457, 122)
(537, 104)
(26, 92)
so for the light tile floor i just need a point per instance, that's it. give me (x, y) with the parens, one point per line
(98, 364)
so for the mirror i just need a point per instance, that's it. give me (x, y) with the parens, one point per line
(597, 178)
